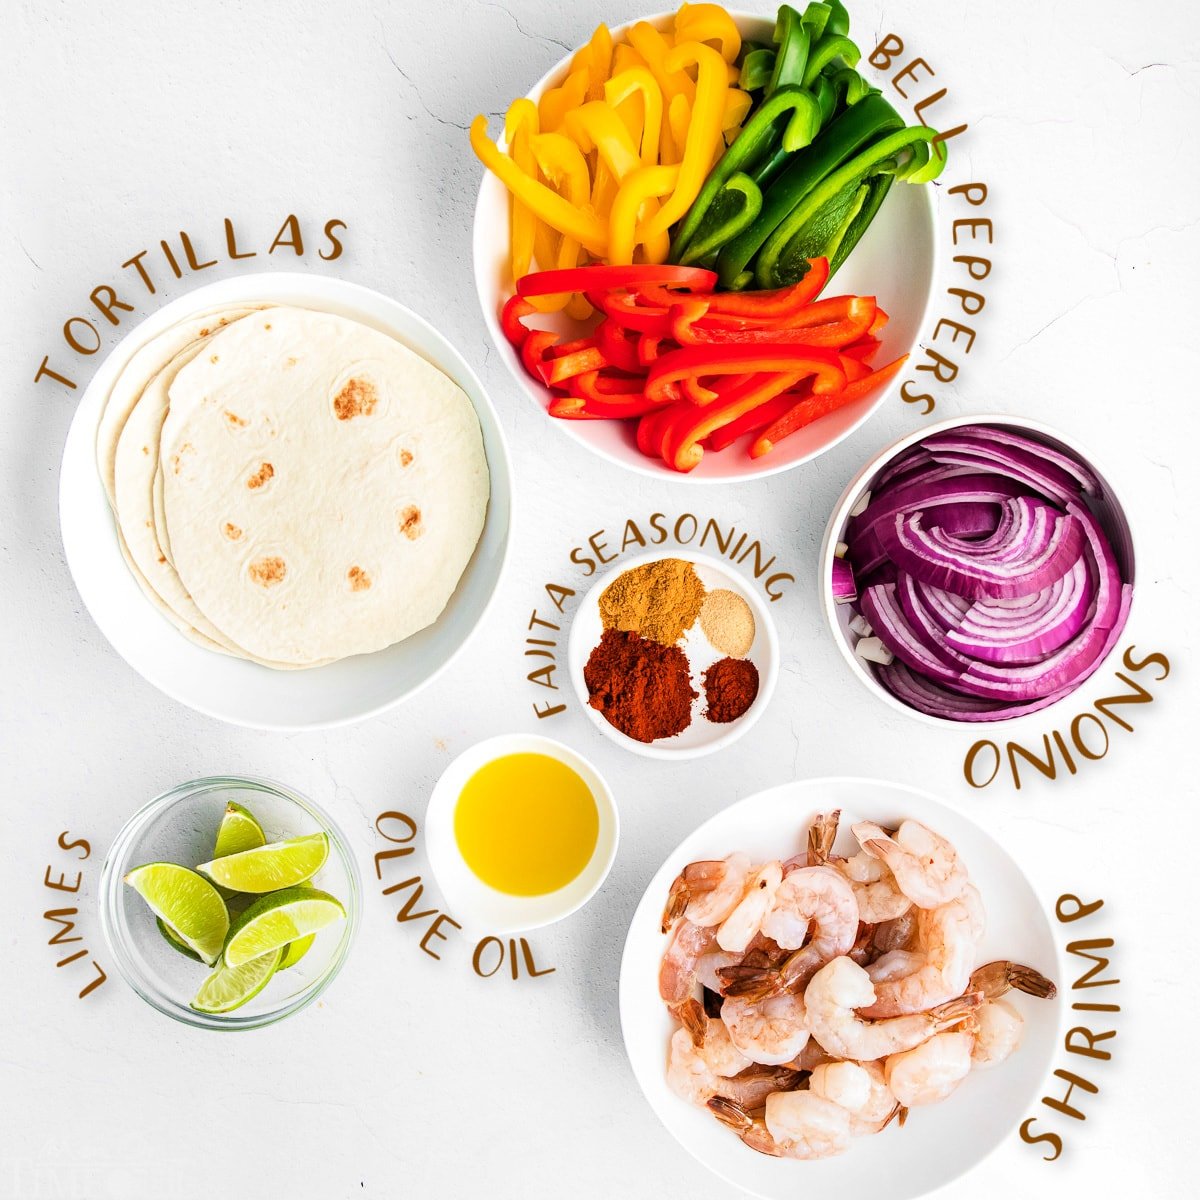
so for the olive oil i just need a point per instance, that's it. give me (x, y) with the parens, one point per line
(526, 824)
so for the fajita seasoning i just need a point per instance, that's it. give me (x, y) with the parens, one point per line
(659, 600)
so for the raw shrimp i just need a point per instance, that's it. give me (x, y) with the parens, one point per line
(931, 1071)
(795, 1125)
(926, 866)
(842, 986)
(819, 896)
(677, 974)
(690, 1076)
(913, 982)
(879, 897)
(743, 923)
(708, 891)
(898, 934)
(860, 1088)
(770, 1031)
(998, 1035)
(711, 1038)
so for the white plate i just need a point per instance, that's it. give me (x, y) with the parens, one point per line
(938, 1143)
(229, 688)
(895, 261)
(1107, 506)
(481, 906)
(701, 736)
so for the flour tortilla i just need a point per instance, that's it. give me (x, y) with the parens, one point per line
(324, 487)
(143, 365)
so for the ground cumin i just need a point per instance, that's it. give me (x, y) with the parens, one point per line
(730, 687)
(641, 687)
(659, 600)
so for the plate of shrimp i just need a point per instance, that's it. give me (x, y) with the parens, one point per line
(844, 983)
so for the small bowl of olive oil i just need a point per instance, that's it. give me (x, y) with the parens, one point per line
(522, 831)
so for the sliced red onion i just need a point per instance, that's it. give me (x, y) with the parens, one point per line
(981, 570)
(844, 587)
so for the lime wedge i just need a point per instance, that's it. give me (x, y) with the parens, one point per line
(186, 902)
(273, 921)
(173, 940)
(229, 987)
(293, 952)
(238, 832)
(271, 867)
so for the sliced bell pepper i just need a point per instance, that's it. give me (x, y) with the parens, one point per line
(596, 278)
(535, 350)
(709, 23)
(654, 49)
(638, 81)
(703, 361)
(782, 305)
(757, 68)
(512, 316)
(859, 313)
(619, 345)
(814, 407)
(639, 190)
(793, 39)
(557, 102)
(752, 421)
(555, 370)
(520, 123)
(651, 428)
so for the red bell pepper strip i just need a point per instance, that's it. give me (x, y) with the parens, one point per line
(603, 278)
(858, 315)
(511, 316)
(619, 345)
(649, 349)
(701, 361)
(693, 391)
(651, 427)
(813, 407)
(556, 370)
(687, 428)
(601, 408)
(535, 349)
(754, 420)
(627, 310)
(862, 349)
(780, 304)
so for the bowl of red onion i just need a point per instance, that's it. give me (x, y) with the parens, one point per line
(978, 570)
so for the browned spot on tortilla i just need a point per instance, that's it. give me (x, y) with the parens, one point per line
(356, 399)
(162, 558)
(267, 325)
(231, 531)
(177, 459)
(234, 419)
(410, 522)
(290, 361)
(214, 358)
(265, 472)
(145, 449)
(359, 579)
(205, 332)
(267, 572)
(405, 457)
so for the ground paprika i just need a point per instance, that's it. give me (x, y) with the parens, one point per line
(641, 687)
(730, 687)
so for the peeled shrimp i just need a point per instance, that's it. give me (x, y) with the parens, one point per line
(816, 896)
(770, 1031)
(842, 986)
(930, 1072)
(749, 914)
(795, 1125)
(879, 896)
(691, 1076)
(926, 866)
(860, 1088)
(707, 892)
(947, 937)
(1000, 1025)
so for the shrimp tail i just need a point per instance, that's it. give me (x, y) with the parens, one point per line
(822, 833)
(690, 1014)
(901, 1115)
(751, 983)
(955, 1012)
(677, 901)
(898, 1111)
(995, 978)
(751, 1132)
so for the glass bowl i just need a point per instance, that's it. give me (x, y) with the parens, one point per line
(180, 826)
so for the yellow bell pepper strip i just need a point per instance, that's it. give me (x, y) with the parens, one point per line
(737, 106)
(563, 164)
(655, 50)
(557, 102)
(625, 57)
(638, 81)
(640, 186)
(702, 361)
(601, 52)
(687, 428)
(704, 132)
(679, 118)
(564, 215)
(520, 122)
(813, 407)
(709, 23)
(596, 126)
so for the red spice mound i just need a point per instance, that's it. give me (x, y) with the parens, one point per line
(643, 688)
(730, 687)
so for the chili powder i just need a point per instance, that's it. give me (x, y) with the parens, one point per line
(730, 687)
(641, 687)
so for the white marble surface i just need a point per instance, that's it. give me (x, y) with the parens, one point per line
(125, 122)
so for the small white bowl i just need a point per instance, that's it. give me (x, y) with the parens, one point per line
(896, 261)
(1108, 509)
(472, 901)
(702, 736)
(232, 689)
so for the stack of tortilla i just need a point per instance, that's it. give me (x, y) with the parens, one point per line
(290, 486)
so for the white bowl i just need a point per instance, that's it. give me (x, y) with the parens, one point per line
(701, 736)
(475, 903)
(233, 689)
(895, 260)
(938, 1143)
(1107, 507)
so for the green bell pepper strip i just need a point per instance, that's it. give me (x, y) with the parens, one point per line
(735, 206)
(825, 52)
(843, 138)
(757, 68)
(816, 17)
(839, 18)
(824, 211)
(792, 56)
(756, 141)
